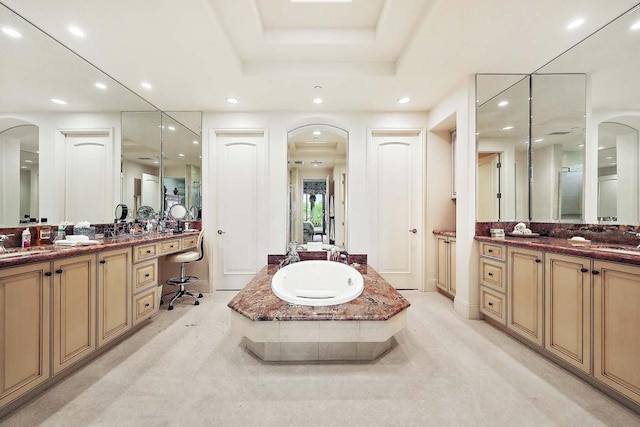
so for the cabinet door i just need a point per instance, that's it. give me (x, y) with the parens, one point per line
(524, 292)
(25, 294)
(74, 310)
(568, 309)
(441, 279)
(616, 322)
(452, 266)
(114, 294)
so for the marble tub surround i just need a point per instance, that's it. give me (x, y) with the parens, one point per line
(318, 255)
(275, 330)
(597, 233)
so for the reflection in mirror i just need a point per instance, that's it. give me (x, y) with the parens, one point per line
(317, 166)
(502, 142)
(618, 175)
(35, 69)
(19, 173)
(558, 136)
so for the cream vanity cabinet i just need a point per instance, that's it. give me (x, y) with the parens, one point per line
(114, 294)
(145, 298)
(493, 287)
(446, 273)
(524, 293)
(74, 310)
(567, 309)
(616, 327)
(25, 302)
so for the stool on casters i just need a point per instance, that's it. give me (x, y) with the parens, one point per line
(183, 280)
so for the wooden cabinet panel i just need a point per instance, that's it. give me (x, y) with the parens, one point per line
(493, 251)
(74, 310)
(25, 301)
(568, 309)
(142, 252)
(189, 242)
(145, 275)
(616, 322)
(452, 266)
(492, 304)
(524, 292)
(441, 279)
(170, 246)
(146, 304)
(492, 274)
(114, 294)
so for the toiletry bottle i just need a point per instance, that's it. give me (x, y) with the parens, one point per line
(26, 238)
(60, 235)
(44, 234)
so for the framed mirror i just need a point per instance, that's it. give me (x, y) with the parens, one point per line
(72, 100)
(317, 168)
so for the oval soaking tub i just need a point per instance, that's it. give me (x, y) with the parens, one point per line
(317, 283)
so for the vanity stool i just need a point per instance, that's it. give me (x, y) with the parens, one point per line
(183, 280)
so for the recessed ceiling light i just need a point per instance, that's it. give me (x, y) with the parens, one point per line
(181, 155)
(58, 101)
(232, 100)
(31, 161)
(76, 31)
(600, 148)
(11, 32)
(317, 95)
(608, 158)
(580, 145)
(404, 100)
(538, 140)
(575, 24)
(156, 162)
(503, 103)
(171, 128)
(635, 26)
(195, 142)
(317, 132)
(23, 167)
(507, 128)
(101, 86)
(146, 85)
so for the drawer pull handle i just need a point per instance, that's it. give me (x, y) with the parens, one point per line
(490, 250)
(59, 271)
(538, 260)
(102, 261)
(147, 305)
(490, 303)
(147, 275)
(584, 270)
(48, 273)
(595, 272)
(490, 274)
(148, 251)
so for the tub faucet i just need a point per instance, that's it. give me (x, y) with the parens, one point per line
(291, 257)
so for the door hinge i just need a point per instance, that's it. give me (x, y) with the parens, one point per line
(498, 165)
(499, 195)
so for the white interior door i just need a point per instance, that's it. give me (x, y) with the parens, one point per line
(396, 193)
(151, 191)
(242, 208)
(89, 167)
(488, 187)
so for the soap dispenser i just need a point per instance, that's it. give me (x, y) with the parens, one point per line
(26, 238)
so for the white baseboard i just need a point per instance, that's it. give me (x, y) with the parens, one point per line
(463, 308)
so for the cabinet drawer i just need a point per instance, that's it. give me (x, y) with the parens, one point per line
(145, 274)
(145, 305)
(492, 304)
(169, 246)
(189, 242)
(492, 274)
(142, 252)
(493, 251)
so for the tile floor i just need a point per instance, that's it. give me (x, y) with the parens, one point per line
(187, 368)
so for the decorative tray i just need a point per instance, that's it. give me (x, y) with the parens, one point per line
(524, 235)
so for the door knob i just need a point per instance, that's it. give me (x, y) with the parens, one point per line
(413, 230)
(221, 232)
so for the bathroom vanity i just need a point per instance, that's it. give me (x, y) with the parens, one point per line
(579, 306)
(62, 305)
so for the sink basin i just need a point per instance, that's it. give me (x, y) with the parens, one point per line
(618, 250)
(22, 253)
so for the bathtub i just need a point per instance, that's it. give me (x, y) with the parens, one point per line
(317, 283)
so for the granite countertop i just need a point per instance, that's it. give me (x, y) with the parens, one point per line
(33, 254)
(447, 233)
(378, 301)
(563, 246)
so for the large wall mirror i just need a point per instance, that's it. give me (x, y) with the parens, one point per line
(585, 118)
(317, 167)
(162, 161)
